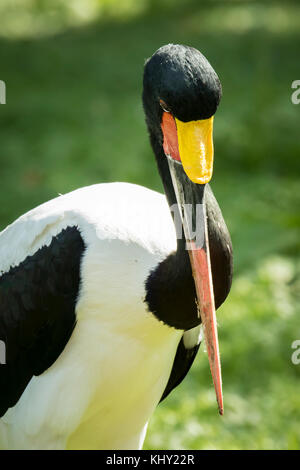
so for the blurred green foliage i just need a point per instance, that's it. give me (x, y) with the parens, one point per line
(74, 117)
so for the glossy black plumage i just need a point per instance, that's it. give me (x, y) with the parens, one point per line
(183, 361)
(37, 312)
(170, 286)
(183, 78)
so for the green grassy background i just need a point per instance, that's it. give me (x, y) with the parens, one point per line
(74, 117)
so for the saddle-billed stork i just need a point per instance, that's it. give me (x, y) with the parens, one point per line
(101, 291)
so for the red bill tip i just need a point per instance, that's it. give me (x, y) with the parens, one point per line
(200, 262)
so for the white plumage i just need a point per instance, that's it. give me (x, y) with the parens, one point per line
(105, 385)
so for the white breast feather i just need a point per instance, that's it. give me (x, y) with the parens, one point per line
(118, 360)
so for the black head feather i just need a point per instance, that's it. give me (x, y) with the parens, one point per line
(183, 78)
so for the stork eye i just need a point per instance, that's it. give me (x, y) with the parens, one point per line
(164, 106)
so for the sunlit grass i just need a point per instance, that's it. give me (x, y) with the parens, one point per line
(30, 18)
(74, 117)
(262, 405)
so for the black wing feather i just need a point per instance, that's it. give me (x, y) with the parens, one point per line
(37, 312)
(183, 361)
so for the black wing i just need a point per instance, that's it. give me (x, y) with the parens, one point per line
(183, 361)
(37, 312)
(222, 267)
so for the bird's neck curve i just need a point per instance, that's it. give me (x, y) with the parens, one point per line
(170, 287)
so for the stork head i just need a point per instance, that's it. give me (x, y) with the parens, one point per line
(181, 94)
